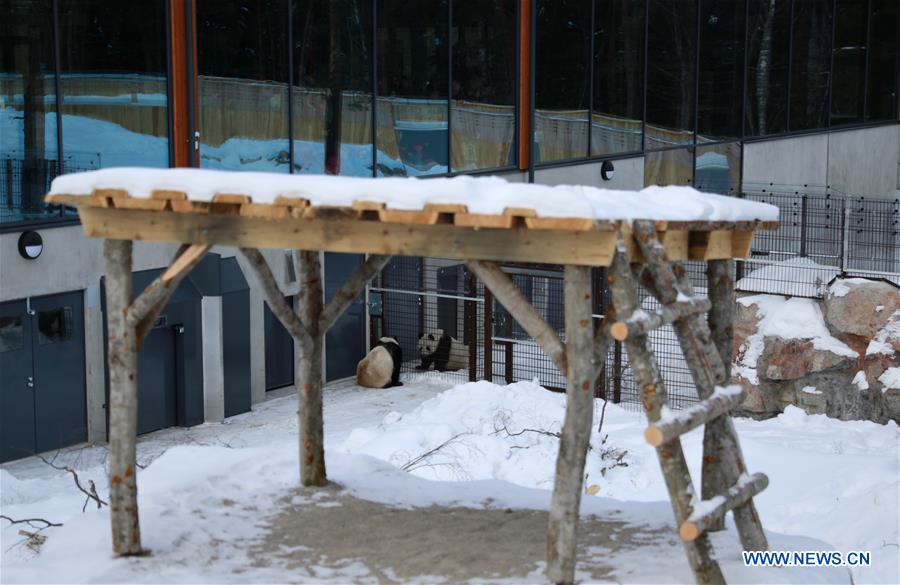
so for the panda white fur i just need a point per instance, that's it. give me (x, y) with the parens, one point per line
(445, 352)
(381, 366)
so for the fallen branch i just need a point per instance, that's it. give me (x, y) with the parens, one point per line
(30, 522)
(90, 494)
(411, 464)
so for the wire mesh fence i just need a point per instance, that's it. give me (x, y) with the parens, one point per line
(821, 236)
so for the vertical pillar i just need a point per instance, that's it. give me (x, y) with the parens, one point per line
(257, 345)
(123, 399)
(94, 371)
(213, 359)
(309, 371)
(576, 430)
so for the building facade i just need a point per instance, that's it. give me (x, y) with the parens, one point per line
(724, 95)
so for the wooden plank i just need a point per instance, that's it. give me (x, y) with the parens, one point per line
(479, 220)
(520, 212)
(168, 194)
(676, 243)
(741, 243)
(330, 213)
(66, 199)
(402, 216)
(199, 207)
(263, 210)
(292, 201)
(368, 205)
(139, 203)
(447, 207)
(231, 198)
(589, 248)
(111, 193)
(711, 245)
(575, 224)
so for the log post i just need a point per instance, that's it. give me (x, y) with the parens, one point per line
(647, 377)
(573, 443)
(720, 283)
(123, 401)
(309, 371)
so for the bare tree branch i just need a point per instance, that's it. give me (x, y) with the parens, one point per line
(90, 493)
(30, 521)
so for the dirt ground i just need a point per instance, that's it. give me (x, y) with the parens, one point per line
(434, 544)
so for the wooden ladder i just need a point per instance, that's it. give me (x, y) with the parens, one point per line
(706, 346)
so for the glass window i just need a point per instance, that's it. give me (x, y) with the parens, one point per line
(849, 61)
(28, 153)
(332, 93)
(483, 111)
(669, 167)
(882, 60)
(768, 42)
(54, 325)
(810, 64)
(113, 83)
(721, 69)
(242, 84)
(671, 68)
(12, 333)
(413, 71)
(618, 76)
(562, 81)
(718, 168)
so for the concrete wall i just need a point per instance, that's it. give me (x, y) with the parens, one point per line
(863, 162)
(629, 175)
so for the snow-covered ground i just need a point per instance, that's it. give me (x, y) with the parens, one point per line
(217, 501)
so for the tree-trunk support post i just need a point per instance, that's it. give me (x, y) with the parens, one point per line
(575, 436)
(720, 290)
(309, 370)
(123, 400)
(653, 396)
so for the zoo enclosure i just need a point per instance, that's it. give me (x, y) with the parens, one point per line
(822, 236)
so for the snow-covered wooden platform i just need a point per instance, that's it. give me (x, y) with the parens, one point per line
(462, 217)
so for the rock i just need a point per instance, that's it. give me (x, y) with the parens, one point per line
(763, 400)
(792, 359)
(746, 324)
(857, 306)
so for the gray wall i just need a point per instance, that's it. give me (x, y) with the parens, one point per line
(629, 175)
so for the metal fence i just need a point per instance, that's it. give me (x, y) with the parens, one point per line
(821, 237)
(25, 180)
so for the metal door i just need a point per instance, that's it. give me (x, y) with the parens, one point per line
(157, 378)
(16, 383)
(58, 349)
(279, 348)
(345, 342)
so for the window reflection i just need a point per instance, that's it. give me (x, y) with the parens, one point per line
(768, 31)
(28, 152)
(671, 68)
(113, 83)
(718, 168)
(484, 80)
(12, 333)
(883, 40)
(669, 167)
(721, 69)
(849, 61)
(332, 91)
(618, 76)
(411, 116)
(55, 325)
(562, 79)
(810, 64)
(242, 84)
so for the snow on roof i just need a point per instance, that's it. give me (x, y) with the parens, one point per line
(483, 195)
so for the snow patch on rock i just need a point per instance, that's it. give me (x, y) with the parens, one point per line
(890, 379)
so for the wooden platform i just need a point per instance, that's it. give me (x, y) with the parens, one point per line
(440, 230)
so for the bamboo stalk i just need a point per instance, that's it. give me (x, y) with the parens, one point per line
(701, 520)
(653, 396)
(351, 289)
(123, 401)
(575, 436)
(514, 301)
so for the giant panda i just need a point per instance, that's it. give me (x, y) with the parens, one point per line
(381, 366)
(445, 352)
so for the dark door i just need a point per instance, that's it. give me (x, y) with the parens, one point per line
(235, 337)
(157, 378)
(58, 350)
(345, 342)
(16, 385)
(279, 351)
(42, 388)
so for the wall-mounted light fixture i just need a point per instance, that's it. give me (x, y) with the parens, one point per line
(31, 244)
(607, 170)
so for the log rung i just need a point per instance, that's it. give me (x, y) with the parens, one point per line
(642, 322)
(676, 424)
(711, 511)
